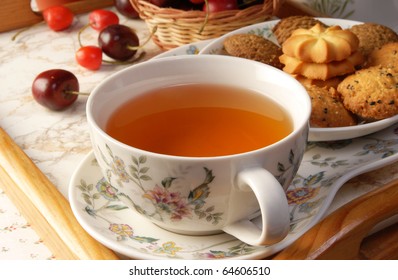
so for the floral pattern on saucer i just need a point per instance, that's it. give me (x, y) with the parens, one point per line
(326, 166)
(101, 200)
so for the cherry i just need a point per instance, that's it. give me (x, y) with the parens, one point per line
(55, 89)
(125, 8)
(159, 3)
(99, 19)
(197, 1)
(118, 42)
(58, 17)
(185, 5)
(89, 57)
(243, 4)
(220, 5)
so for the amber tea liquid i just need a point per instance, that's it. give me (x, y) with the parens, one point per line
(197, 120)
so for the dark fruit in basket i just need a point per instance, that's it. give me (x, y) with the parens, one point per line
(99, 19)
(118, 41)
(159, 3)
(125, 8)
(243, 4)
(52, 89)
(197, 1)
(58, 17)
(185, 5)
(220, 5)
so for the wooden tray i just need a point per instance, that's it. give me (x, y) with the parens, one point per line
(44, 207)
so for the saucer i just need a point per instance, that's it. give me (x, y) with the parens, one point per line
(325, 167)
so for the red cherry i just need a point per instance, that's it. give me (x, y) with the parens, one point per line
(89, 57)
(52, 89)
(58, 17)
(220, 5)
(99, 19)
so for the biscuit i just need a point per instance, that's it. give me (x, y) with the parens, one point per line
(253, 47)
(328, 111)
(321, 71)
(284, 28)
(371, 93)
(386, 55)
(321, 44)
(332, 82)
(372, 36)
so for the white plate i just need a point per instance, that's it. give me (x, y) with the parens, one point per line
(316, 134)
(326, 166)
(193, 48)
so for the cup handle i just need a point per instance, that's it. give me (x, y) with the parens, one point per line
(274, 209)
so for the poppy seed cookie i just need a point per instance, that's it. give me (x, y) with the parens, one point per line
(371, 93)
(328, 111)
(386, 55)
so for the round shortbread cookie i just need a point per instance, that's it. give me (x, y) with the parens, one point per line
(371, 93)
(386, 55)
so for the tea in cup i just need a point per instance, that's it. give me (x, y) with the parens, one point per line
(202, 144)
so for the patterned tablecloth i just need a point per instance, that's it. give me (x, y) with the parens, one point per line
(58, 141)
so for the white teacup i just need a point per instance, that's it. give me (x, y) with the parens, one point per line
(204, 195)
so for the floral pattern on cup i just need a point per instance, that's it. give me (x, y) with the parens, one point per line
(168, 203)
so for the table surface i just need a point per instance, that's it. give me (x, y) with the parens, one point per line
(58, 141)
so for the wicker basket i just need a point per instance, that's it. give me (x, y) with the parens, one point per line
(178, 27)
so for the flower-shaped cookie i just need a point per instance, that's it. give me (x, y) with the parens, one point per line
(321, 44)
(321, 71)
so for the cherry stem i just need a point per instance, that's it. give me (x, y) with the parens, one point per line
(76, 92)
(206, 17)
(135, 48)
(24, 29)
(80, 32)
